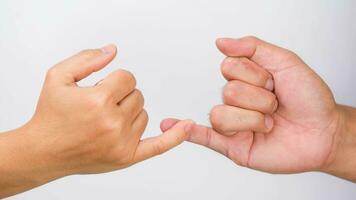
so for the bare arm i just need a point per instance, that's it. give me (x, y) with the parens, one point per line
(23, 165)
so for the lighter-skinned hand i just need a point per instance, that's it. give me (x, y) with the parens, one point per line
(277, 114)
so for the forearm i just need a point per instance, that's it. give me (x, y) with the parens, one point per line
(22, 165)
(343, 159)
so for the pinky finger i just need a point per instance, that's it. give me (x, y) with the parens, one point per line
(208, 137)
(154, 146)
(201, 135)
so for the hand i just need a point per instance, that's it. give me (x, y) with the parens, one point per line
(278, 115)
(95, 129)
(81, 130)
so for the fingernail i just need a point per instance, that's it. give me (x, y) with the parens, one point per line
(108, 49)
(268, 122)
(222, 40)
(269, 84)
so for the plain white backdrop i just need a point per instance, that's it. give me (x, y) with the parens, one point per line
(169, 46)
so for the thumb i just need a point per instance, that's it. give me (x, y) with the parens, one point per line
(154, 146)
(267, 55)
(81, 65)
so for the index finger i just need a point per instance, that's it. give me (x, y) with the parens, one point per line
(243, 69)
(266, 55)
(118, 84)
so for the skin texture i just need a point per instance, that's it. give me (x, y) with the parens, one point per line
(278, 115)
(79, 130)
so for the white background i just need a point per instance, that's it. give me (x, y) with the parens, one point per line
(169, 46)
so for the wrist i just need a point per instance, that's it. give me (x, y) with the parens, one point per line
(24, 159)
(46, 160)
(342, 161)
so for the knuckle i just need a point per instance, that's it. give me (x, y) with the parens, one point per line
(226, 67)
(291, 53)
(257, 120)
(145, 116)
(271, 102)
(98, 99)
(140, 97)
(245, 65)
(128, 77)
(225, 70)
(159, 147)
(244, 62)
(251, 38)
(291, 56)
(52, 73)
(261, 78)
(216, 117)
(229, 93)
(108, 124)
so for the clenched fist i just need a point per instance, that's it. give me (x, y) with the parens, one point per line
(81, 130)
(278, 115)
